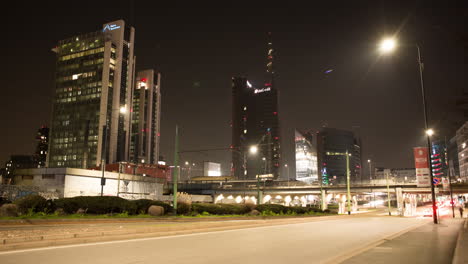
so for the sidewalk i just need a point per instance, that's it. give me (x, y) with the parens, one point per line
(461, 252)
(427, 244)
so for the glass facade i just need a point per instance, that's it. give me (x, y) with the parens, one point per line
(94, 73)
(306, 158)
(74, 130)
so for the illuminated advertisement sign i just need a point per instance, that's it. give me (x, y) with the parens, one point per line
(421, 163)
(306, 159)
(110, 27)
(211, 169)
(262, 90)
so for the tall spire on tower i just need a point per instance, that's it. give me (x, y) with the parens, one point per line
(270, 55)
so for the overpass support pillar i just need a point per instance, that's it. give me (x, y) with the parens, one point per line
(399, 198)
(324, 204)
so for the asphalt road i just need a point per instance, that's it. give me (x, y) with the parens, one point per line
(311, 242)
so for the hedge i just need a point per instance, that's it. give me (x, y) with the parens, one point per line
(220, 209)
(34, 203)
(97, 205)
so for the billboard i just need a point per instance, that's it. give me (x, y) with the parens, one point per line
(421, 163)
(306, 158)
(211, 169)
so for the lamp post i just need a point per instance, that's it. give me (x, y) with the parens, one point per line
(388, 195)
(348, 187)
(370, 169)
(287, 169)
(254, 150)
(386, 46)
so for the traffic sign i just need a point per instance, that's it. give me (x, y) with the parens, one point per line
(436, 181)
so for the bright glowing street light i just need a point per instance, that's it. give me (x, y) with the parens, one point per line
(186, 163)
(253, 150)
(387, 45)
(123, 110)
(368, 160)
(430, 132)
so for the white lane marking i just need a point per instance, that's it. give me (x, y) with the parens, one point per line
(154, 238)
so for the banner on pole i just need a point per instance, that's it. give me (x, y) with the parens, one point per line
(421, 163)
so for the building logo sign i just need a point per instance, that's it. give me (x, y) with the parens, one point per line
(110, 27)
(262, 90)
(423, 178)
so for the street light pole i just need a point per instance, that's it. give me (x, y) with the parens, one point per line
(386, 46)
(388, 196)
(421, 69)
(176, 169)
(347, 181)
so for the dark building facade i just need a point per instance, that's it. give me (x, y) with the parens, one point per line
(452, 158)
(146, 116)
(332, 147)
(93, 83)
(19, 162)
(255, 122)
(439, 162)
(42, 147)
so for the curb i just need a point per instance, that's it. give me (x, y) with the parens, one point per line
(132, 220)
(457, 258)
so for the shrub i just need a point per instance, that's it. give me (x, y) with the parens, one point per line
(183, 208)
(32, 203)
(97, 205)
(220, 209)
(142, 205)
(274, 208)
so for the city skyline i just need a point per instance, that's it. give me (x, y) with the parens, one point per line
(321, 79)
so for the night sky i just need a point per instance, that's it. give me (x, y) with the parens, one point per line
(198, 48)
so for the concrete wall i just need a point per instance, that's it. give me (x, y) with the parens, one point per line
(78, 182)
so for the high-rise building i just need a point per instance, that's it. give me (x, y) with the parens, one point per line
(42, 147)
(332, 147)
(306, 157)
(93, 84)
(462, 143)
(255, 123)
(439, 162)
(146, 116)
(452, 158)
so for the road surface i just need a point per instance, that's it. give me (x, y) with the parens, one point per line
(324, 241)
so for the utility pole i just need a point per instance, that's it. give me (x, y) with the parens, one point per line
(388, 195)
(347, 181)
(103, 158)
(175, 172)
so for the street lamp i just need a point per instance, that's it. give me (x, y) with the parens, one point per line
(253, 150)
(429, 132)
(287, 169)
(370, 169)
(387, 46)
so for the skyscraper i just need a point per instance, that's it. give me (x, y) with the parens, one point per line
(94, 78)
(146, 116)
(42, 139)
(255, 123)
(332, 146)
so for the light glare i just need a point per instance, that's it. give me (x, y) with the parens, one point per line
(387, 45)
